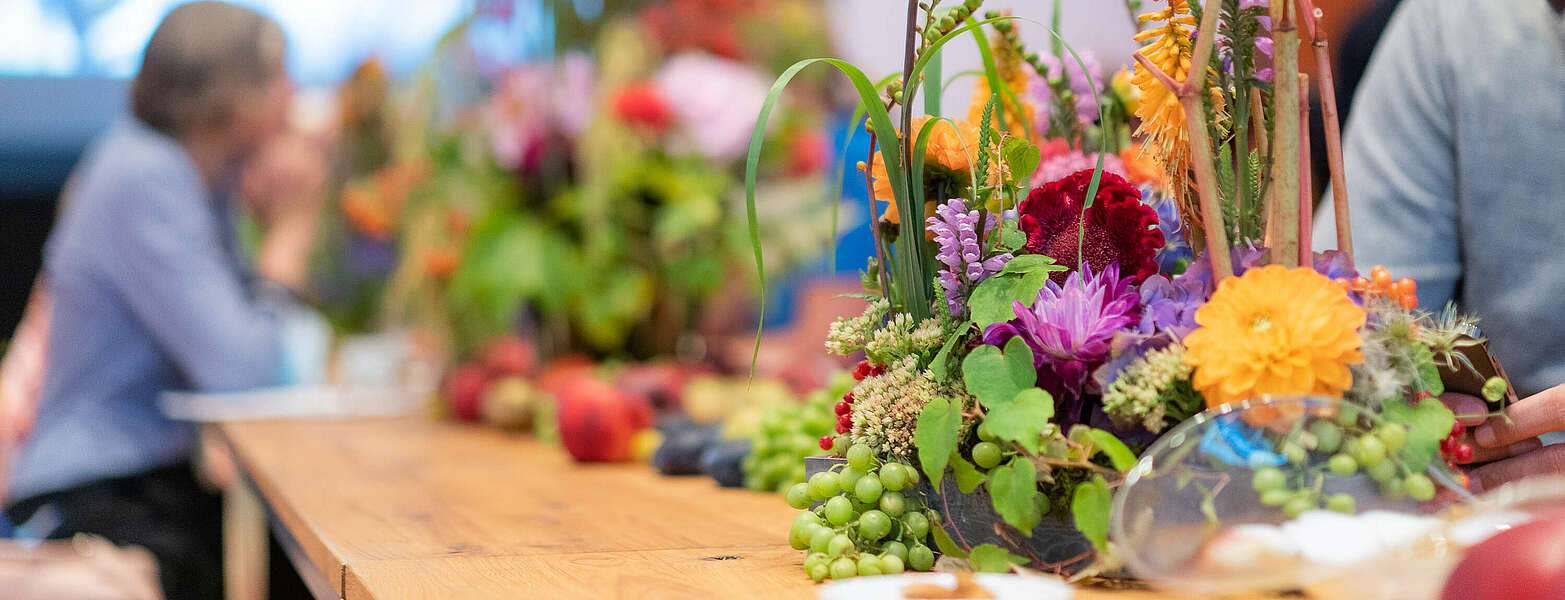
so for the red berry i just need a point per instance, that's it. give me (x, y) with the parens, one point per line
(1448, 446)
(1457, 429)
(843, 408)
(844, 427)
(861, 370)
(1421, 396)
(826, 442)
(1464, 453)
(848, 397)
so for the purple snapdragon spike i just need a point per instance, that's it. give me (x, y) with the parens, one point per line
(1070, 329)
(956, 235)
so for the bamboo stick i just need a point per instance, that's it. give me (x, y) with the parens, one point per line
(1285, 132)
(1333, 128)
(1306, 185)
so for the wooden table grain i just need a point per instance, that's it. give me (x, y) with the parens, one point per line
(410, 508)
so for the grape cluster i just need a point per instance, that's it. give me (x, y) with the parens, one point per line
(787, 435)
(844, 409)
(868, 520)
(1352, 447)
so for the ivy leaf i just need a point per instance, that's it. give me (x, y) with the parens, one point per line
(1021, 157)
(968, 477)
(1119, 454)
(985, 373)
(1018, 281)
(1428, 422)
(1022, 420)
(1012, 487)
(1011, 238)
(939, 425)
(989, 558)
(1018, 363)
(1030, 263)
(1090, 508)
(944, 542)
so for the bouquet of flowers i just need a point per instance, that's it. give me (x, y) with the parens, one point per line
(1027, 334)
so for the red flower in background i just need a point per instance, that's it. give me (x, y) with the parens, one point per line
(1118, 228)
(642, 104)
(710, 25)
(807, 152)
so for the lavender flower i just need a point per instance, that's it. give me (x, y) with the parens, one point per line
(955, 230)
(1070, 329)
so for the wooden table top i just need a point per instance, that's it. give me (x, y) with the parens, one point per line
(399, 508)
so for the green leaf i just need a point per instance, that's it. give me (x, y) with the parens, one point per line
(1013, 488)
(1022, 158)
(938, 364)
(991, 300)
(1120, 455)
(1022, 420)
(968, 477)
(1428, 422)
(939, 425)
(1090, 508)
(1018, 364)
(1428, 371)
(1030, 263)
(1012, 239)
(989, 558)
(944, 542)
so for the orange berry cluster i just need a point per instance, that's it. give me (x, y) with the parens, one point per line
(1403, 291)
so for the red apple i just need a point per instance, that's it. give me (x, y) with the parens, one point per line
(463, 389)
(1521, 563)
(597, 421)
(510, 355)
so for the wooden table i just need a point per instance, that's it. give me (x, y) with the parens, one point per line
(411, 508)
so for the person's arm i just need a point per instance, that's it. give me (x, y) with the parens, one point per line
(167, 261)
(1400, 160)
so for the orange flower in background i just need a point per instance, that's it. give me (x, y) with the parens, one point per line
(365, 212)
(1275, 331)
(1139, 168)
(441, 261)
(950, 154)
(1013, 71)
(1162, 117)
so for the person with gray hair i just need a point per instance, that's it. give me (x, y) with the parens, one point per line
(151, 291)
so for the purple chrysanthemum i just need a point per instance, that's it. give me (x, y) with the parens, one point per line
(1070, 329)
(956, 234)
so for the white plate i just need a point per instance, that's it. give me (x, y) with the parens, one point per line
(889, 587)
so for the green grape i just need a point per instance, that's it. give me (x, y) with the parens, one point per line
(1328, 437)
(843, 568)
(1393, 436)
(920, 558)
(874, 525)
(984, 433)
(1347, 414)
(840, 544)
(1393, 489)
(819, 572)
(799, 539)
(912, 475)
(1341, 503)
(895, 548)
(894, 476)
(1383, 471)
(1276, 497)
(823, 485)
(1296, 454)
(1419, 487)
(986, 455)
(1297, 506)
(849, 477)
(799, 495)
(869, 564)
(893, 504)
(891, 564)
(1370, 451)
(839, 445)
(868, 489)
(1344, 465)
(860, 457)
(807, 517)
(1267, 479)
(839, 510)
(1350, 447)
(917, 525)
(1494, 388)
(820, 541)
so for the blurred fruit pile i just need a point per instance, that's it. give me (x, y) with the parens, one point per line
(787, 434)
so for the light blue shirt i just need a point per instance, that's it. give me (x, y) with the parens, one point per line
(151, 293)
(1455, 158)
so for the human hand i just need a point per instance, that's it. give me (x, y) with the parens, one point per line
(1509, 444)
(284, 181)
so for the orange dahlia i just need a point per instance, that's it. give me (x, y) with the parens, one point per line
(1275, 330)
(949, 155)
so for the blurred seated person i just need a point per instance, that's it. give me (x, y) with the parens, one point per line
(151, 291)
(1453, 161)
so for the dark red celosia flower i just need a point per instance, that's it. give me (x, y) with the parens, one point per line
(1119, 227)
(642, 104)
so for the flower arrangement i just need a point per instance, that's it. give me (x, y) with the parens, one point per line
(1025, 339)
